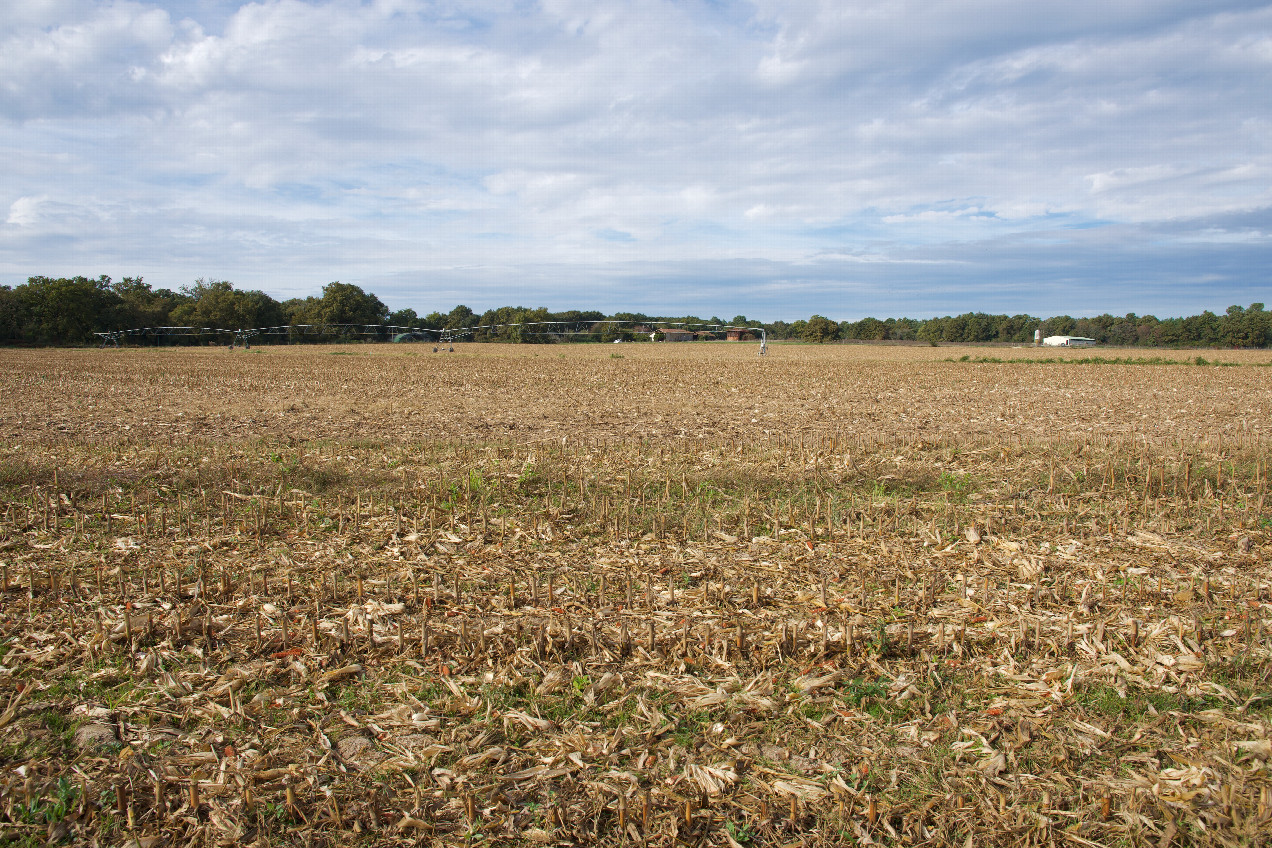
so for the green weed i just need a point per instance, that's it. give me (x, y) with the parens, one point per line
(49, 810)
(957, 486)
(740, 832)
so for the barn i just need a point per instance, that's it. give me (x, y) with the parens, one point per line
(672, 334)
(1068, 341)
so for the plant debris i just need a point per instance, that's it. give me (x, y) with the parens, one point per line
(540, 617)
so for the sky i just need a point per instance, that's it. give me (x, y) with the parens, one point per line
(772, 159)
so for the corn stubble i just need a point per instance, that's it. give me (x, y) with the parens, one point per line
(680, 625)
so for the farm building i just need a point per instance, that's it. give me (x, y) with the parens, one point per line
(1068, 341)
(672, 334)
(737, 334)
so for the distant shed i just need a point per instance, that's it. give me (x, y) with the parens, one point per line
(736, 334)
(673, 334)
(1068, 341)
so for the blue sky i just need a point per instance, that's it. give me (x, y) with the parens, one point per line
(772, 159)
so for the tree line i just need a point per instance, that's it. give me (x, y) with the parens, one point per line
(68, 310)
(1238, 326)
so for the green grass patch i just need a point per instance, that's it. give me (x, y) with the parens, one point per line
(1138, 704)
(868, 695)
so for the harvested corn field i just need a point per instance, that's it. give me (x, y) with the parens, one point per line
(675, 595)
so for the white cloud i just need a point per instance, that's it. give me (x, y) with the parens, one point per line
(291, 142)
(25, 211)
(938, 215)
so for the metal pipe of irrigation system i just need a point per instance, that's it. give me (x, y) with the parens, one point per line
(448, 334)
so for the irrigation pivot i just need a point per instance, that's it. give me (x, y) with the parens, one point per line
(530, 331)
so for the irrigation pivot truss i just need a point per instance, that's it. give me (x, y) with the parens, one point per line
(530, 331)
(243, 337)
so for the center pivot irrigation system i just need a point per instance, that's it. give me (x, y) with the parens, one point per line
(531, 331)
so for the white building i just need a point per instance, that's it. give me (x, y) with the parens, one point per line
(1068, 341)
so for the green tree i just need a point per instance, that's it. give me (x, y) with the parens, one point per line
(1122, 331)
(779, 330)
(12, 315)
(216, 304)
(1244, 327)
(1014, 328)
(902, 329)
(65, 310)
(954, 329)
(404, 318)
(868, 329)
(980, 327)
(345, 303)
(508, 324)
(302, 310)
(1058, 325)
(1258, 326)
(820, 329)
(1203, 329)
(931, 330)
(141, 306)
(1153, 333)
(459, 317)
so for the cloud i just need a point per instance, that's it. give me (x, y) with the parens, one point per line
(25, 211)
(814, 156)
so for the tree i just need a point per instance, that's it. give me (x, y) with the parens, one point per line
(11, 315)
(209, 303)
(575, 316)
(779, 330)
(931, 330)
(65, 310)
(1201, 329)
(868, 329)
(404, 318)
(261, 309)
(1016, 328)
(902, 329)
(980, 327)
(218, 305)
(459, 317)
(1150, 331)
(1091, 328)
(345, 303)
(820, 329)
(634, 317)
(141, 306)
(1258, 326)
(506, 324)
(954, 329)
(1058, 325)
(302, 310)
